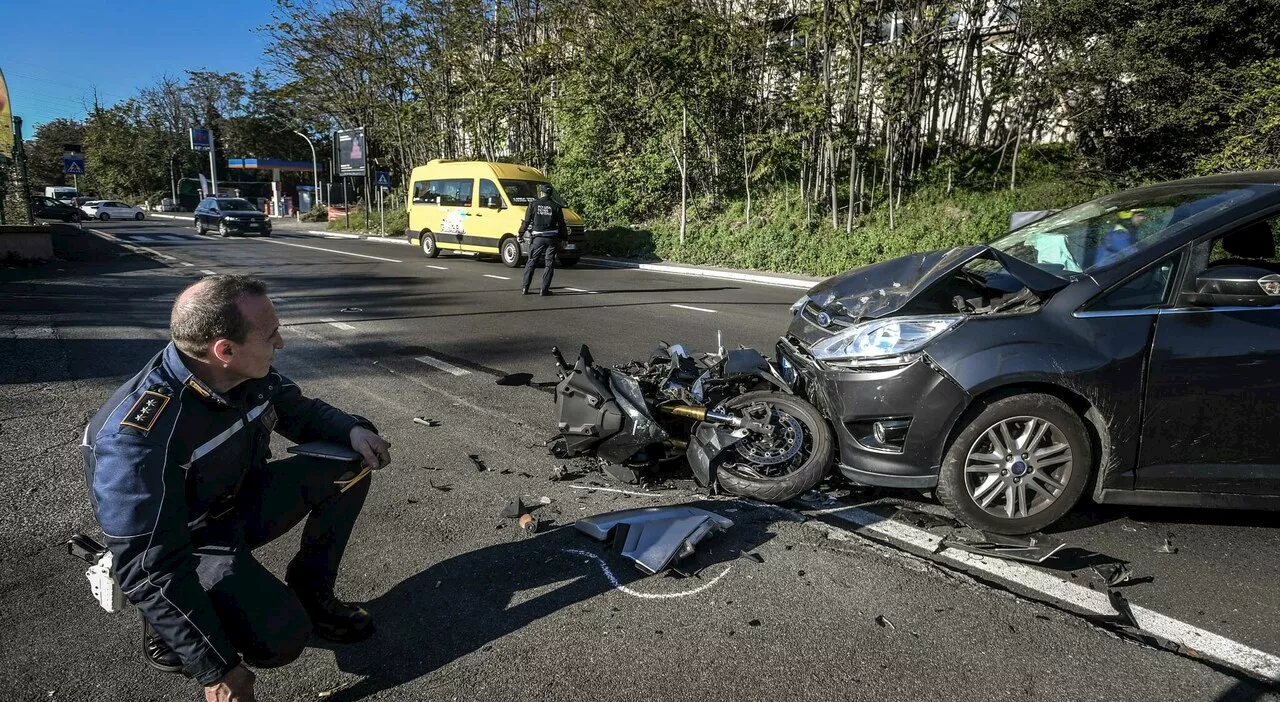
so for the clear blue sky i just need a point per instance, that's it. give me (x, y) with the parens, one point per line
(54, 54)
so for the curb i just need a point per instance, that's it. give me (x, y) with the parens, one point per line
(759, 278)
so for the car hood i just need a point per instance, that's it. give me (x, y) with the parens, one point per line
(882, 289)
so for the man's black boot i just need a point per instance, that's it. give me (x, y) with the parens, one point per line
(157, 653)
(545, 293)
(333, 619)
(524, 291)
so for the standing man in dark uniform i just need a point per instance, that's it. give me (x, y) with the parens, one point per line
(544, 220)
(176, 463)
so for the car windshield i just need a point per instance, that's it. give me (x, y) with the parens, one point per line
(521, 192)
(1102, 232)
(235, 204)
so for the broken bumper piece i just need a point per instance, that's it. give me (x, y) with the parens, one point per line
(654, 537)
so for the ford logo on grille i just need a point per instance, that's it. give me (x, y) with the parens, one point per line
(824, 319)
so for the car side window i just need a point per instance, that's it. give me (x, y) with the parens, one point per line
(1253, 244)
(490, 197)
(1148, 289)
(456, 192)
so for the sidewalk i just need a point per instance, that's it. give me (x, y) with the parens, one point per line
(784, 280)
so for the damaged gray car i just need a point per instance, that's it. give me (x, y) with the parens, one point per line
(1128, 347)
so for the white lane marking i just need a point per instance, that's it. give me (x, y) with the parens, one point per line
(499, 277)
(145, 238)
(695, 309)
(446, 367)
(439, 268)
(166, 256)
(605, 489)
(613, 580)
(188, 265)
(580, 290)
(317, 248)
(333, 235)
(1207, 643)
(340, 325)
(207, 272)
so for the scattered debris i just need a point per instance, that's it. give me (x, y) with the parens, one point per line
(1168, 546)
(560, 472)
(1115, 574)
(479, 462)
(426, 422)
(442, 488)
(1126, 527)
(351, 309)
(593, 488)
(1035, 548)
(654, 537)
(515, 509)
(753, 622)
(515, 379)
(884, 622)
(412, 501)
(753, 556)
(529, 524)
(925, 520)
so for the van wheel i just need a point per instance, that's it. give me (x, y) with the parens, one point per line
(429, 248)
(1019, 464)
(510, 250)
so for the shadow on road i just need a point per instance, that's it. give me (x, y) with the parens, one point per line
(466, 603)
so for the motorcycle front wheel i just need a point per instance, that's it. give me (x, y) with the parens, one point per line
(791, 460)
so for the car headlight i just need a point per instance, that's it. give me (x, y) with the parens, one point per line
(232, 219)
(883, 342)
(798, 304)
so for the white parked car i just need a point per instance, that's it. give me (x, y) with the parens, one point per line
(111, 209)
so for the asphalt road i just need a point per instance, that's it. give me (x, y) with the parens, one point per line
(469, 610)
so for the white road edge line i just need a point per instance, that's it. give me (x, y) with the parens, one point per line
(1207, 643)
(499, 277)
(439, 268)
(188, 265)
(208, 272)
(317, 248)
(340, 325)
(580, 290)
(695, 309)
(446, 367)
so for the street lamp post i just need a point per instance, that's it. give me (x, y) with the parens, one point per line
(315, 165)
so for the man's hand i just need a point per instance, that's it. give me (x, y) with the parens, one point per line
(235, 686)
(375, 450)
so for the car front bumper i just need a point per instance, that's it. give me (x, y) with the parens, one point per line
(916, 404)
(247, 227)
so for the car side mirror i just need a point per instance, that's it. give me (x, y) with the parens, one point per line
(494, 203)
(1235, 286)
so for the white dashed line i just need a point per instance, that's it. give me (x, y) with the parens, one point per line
(340, 325)
(439, 268)
(580, 290)
(1207, 643)
(188, 265)
(695, 309)
(446, 367)
(499, 277)
(317, 248)
(207, 272)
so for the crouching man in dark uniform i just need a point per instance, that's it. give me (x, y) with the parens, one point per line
(177, 468)
(544, 220)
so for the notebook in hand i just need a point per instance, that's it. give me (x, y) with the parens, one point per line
(326, 449)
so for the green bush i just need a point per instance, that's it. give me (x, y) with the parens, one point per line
(397, 222)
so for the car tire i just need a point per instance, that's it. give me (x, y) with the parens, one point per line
(104, 217)
(429, 247)
(223, 230)
(809, 473)
(200, 228)
(509, 251)
(139, 217)
(569, 262)
(972, 475)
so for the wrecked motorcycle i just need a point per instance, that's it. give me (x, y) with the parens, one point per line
(730, 414)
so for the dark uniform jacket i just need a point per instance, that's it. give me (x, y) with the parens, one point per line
(545, 217)
(164, 453)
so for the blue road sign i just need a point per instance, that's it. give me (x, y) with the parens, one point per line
(73, 165)
(382, 179)
(201, 140)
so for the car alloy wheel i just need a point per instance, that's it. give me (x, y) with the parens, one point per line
(104, 216)
(1018, 467)
(223, 230)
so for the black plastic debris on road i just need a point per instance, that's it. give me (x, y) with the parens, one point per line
(1035, 548)
(515, 379)
(925, 520)
(351, 309)
(884, 622)
(426, 422)
(441, 488)
(753, 556)
(480, 465)
(1116, 574)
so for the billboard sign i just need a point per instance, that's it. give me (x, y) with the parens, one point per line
(201, 139)
(351, 151)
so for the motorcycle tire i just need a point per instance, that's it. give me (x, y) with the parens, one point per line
(804, 477)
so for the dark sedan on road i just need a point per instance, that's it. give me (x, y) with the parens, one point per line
(230, 215)
(49, 208)
(1128, 347)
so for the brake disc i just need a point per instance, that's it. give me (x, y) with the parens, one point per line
(779, 447)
